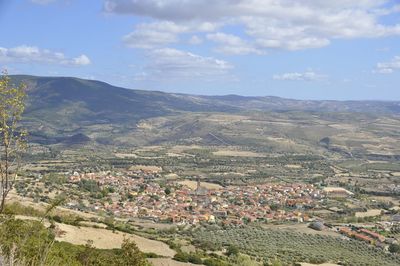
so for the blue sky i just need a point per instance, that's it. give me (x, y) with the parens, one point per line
(309, 49)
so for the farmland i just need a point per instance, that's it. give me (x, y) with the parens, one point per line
(353, 191)
(291, 246)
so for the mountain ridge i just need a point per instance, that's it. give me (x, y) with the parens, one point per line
(19, 78)
(60, 107)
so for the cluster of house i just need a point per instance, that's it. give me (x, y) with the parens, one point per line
(362, 234)
(175, 203)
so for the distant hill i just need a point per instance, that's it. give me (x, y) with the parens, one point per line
(69, 110)
(95, 101)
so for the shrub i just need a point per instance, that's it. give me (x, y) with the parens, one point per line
(215, 262)
(182, 257)
(232, 250)
(394, 248)
(195, 259)
(26, 242)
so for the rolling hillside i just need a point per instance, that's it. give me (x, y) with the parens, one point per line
(75, 111)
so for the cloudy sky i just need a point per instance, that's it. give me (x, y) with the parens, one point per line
(308, 49)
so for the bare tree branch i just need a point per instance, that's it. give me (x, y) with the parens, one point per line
(12, 140)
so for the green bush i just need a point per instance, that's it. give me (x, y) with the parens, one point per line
(232, 250)
(182, 257)
(25, 241)
(394, 248)
(16, 208)
(195, 259)
(215, 262)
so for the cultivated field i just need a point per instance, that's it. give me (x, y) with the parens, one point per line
(149, 168)
(301, 228)
(237, 153)
(291, 246)
(193, 184)
(369, 213)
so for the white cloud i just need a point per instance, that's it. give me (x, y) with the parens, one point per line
(171, 63)
(33, 54)
(161, 33)
(296, 76)
(42, 2)
(231, 44)
(388, 67)
(150, 35)
(271, 24)
(195, 40)
(388, 11)
(172, 10)
(81, 60)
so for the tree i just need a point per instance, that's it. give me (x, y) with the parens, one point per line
(394, 248)
(232, 250)
(12, 139)
(131, 255)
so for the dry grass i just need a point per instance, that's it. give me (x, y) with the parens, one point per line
(150, 168)
(13, 197)
(106, 239)
(102, 238)
(228, 119)
(183, 148)
(172, 176)
(332, 189)
(193, 185)
(172, 154)
(293, 166)
(125, 155)
(235, 153)
(369, 213)
(168, 262)
(92, 224)
(323, 264)
(386, 199)
(150, 148)
(149, 224)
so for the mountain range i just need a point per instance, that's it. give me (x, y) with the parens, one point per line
(70, 110)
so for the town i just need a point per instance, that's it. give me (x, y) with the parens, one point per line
(179, 204)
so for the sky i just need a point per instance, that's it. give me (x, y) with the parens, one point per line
(308, 49)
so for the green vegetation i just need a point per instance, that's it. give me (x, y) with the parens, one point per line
(235, 258)
(26, 242)
(188, 257)
(394, 248)
(292, 247)
(29, 242)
